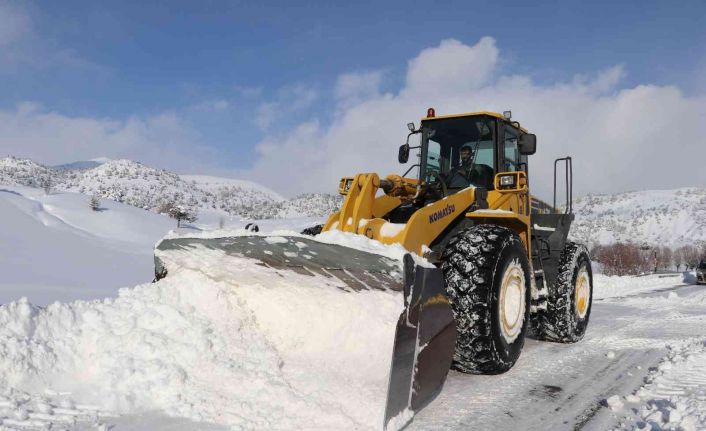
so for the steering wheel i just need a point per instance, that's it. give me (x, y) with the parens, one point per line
(444, 189)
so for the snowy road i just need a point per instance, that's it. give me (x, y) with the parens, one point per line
(207, 348)
(557, 386)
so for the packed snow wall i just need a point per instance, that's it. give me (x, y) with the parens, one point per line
(221, 339)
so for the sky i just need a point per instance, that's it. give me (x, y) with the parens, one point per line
(295, 95)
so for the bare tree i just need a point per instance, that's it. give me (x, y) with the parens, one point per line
(623, 259)
(46, 184)
(690, 255)
(665, 258)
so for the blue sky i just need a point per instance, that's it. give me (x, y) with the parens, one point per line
(233, 74)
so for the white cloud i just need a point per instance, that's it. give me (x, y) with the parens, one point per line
(352, 88)
(451, 68)
(52, 138)
(603, 82)
(647, 136)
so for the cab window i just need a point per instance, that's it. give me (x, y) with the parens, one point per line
(511, 151)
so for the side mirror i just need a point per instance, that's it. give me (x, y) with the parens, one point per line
(411, 127)
(528, 144)
(403, 154)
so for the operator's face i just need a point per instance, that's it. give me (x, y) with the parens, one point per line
(465, 155)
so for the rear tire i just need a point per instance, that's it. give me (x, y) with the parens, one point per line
(487, 278)
(569, 303)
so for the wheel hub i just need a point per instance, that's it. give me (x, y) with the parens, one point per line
(511, 302)
(583, 292)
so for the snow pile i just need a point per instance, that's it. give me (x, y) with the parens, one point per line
(220, 340)
(674, 397)
(337, 237)
(50, 410)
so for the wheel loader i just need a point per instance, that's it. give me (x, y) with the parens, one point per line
(499, 262)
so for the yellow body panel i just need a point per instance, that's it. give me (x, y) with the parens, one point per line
(362, 211)
(509, 208)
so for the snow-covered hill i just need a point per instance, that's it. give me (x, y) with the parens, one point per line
(656, 217)
(218, 184)
(148, 188)
(54, 247)
(24, 172)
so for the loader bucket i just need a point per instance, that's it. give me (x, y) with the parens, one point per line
(425, 335)
(346, 268)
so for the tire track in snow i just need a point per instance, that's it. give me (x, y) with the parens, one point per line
(627, 336)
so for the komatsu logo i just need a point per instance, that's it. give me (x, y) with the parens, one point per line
(437, 215)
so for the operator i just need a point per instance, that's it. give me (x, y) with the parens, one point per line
(468, 172)
(459, 177)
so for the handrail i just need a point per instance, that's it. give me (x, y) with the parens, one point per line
(569, 178)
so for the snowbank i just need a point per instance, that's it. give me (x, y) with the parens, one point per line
(220, 340)
(619, 286)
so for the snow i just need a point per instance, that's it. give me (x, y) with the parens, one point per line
(674, 396)
(183, 347)
(399, 421)
(363, 243)
(306, 351)
(223, 343)
(213, 184)
(614, 402)
(544, 228)
(346, 239)
(391, 229)
(133, 183)
(54, 247)
(658, 217)
(616, 286)
(496, 211)
(637, 328)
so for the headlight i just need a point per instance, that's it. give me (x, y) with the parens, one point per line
(344, 186)
(507, 180)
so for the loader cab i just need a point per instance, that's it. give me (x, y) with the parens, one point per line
(495, 146)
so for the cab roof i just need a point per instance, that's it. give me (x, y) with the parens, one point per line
(473, 114)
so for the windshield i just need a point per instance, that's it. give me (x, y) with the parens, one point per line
(702, 265)
(460, 151)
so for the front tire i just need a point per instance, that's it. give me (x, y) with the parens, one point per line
(488, 282)
(569, 303)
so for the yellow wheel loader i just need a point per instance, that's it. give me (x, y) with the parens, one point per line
(500, 262)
